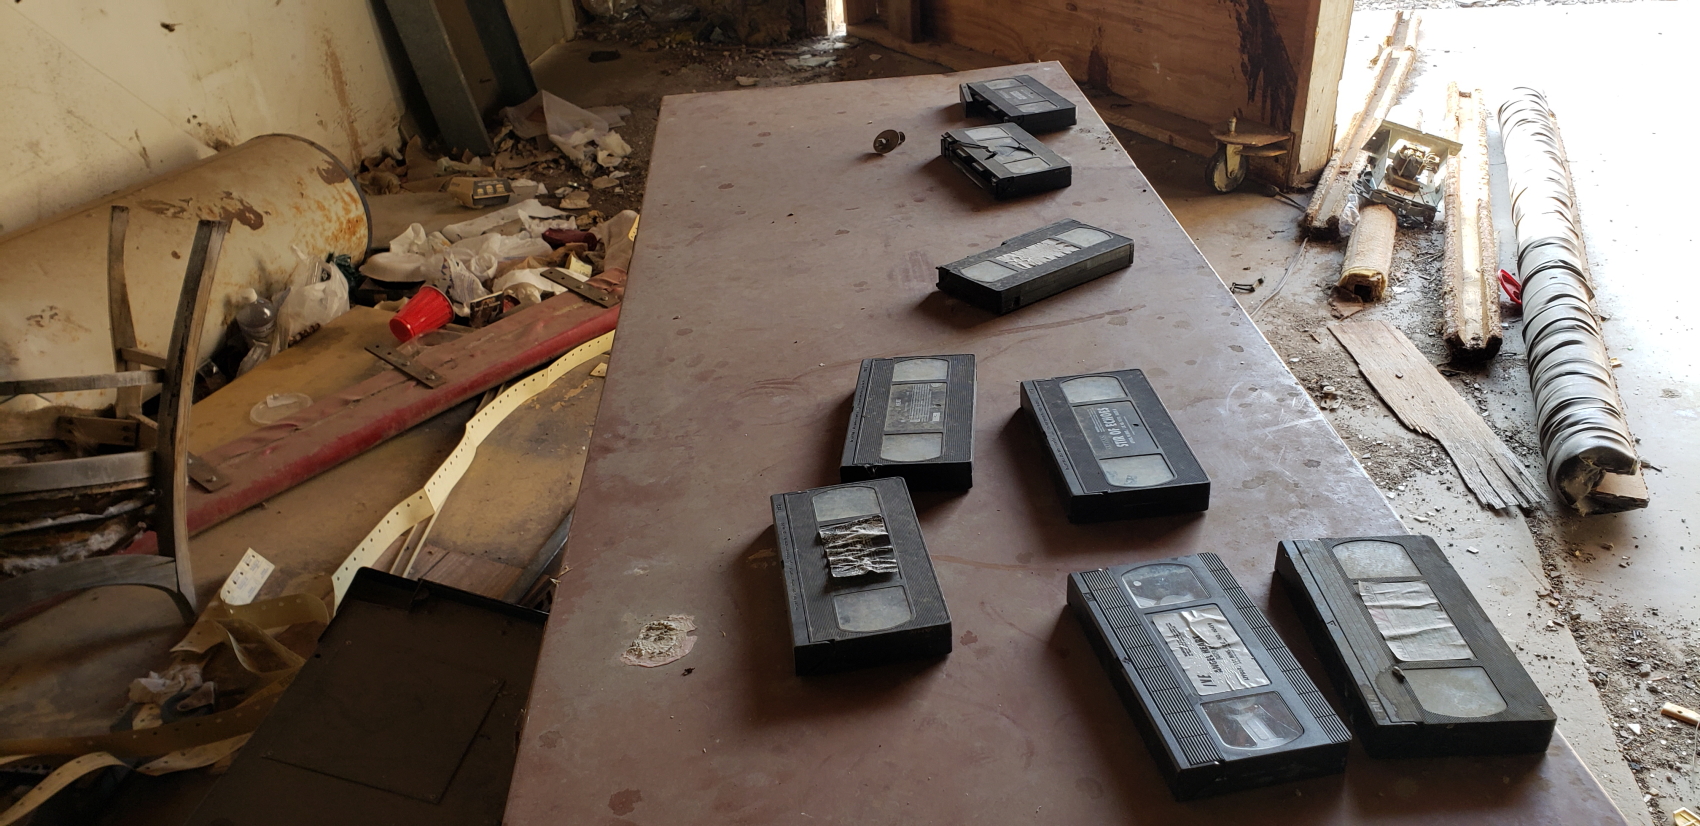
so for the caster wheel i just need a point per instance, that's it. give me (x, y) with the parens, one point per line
(1227, 175)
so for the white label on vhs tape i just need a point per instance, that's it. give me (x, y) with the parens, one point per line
(1214, 657)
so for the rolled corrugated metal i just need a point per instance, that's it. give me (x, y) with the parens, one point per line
(1583, 430)
(278, 191)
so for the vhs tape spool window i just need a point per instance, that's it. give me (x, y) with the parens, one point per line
(1417, 629)
(1214, 658)
(1123, 448)
(856, 543)
(914, 415)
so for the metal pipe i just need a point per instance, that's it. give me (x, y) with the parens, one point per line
(1590, 454)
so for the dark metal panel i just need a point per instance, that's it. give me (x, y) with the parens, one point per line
(440, 75)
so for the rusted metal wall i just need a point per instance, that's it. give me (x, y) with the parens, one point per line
(278, 192)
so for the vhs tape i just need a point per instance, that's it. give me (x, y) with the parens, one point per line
(1035, 265)
(1217, 696)
(1020, 100)
(1005, 160)
(913, 417)
(858, 580)
(1114, 450)
(1421, 667)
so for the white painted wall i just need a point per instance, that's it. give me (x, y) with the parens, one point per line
(97, 96)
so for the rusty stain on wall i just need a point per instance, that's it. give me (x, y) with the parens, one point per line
(339, 86)
(1271, 79)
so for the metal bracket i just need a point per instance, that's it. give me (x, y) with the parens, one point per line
(205, 474)
(581, 288)
(424, 375)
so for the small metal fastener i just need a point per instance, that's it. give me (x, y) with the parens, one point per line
(888, 140)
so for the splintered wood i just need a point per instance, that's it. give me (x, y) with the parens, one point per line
(1336, 190)
(1369, 255)
(1426, 403)
(1470, 269)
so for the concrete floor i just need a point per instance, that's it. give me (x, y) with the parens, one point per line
(1616, 583)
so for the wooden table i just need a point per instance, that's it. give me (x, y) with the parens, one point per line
(777, 252)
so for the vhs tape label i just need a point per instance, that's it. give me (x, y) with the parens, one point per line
(1214, 657)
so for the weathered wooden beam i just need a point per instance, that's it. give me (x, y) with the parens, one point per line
(97, 430)
(67, 384)
(1336, 190)
(1470, 268)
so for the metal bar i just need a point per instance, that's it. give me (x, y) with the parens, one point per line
(540, 564)
(424, 375)
(171, 452)
(21, 592)
(75, 473)
(67, 384)
(205, 473)
(118, 312)
(581, 288)
(495, 29)
(433, 59)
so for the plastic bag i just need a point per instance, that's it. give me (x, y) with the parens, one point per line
(417, 242)
(317, 295)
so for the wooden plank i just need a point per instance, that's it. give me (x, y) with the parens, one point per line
(1272, 61)
(22, 592)
(67, 384)
(1470, 266)
(96, 430)
(1426, 403)
(469, 573)
(1335, 190)
(1320, 98)
(1175, 130)
(902, 18)
(175, 398)
(75, 473)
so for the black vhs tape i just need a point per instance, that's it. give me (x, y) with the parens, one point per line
(1035, 265)
(1421, 667)
(1020, 100)
(1005, 160)
(1113, 448)
(858, 579)
(1220, 700)
(913, 417)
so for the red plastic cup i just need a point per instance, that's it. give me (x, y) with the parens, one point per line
(427, 310)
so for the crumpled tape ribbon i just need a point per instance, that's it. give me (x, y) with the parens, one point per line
(196, 741)
(60, 778)
(427, 501)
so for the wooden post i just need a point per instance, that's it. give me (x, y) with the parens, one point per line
(902, 18)
(1336, 189)
(118, 308)
(1470, 268)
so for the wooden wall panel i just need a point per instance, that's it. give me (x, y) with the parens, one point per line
(1207, 60)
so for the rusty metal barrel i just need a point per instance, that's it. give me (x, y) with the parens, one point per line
(278, 191)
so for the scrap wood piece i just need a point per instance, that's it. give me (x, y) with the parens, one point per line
(428, 501)
(473, 574)
(339, 426)
(1369, 255)
(1590, 454)
(1426, 403)
(1469, 270)
(1336, 191)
